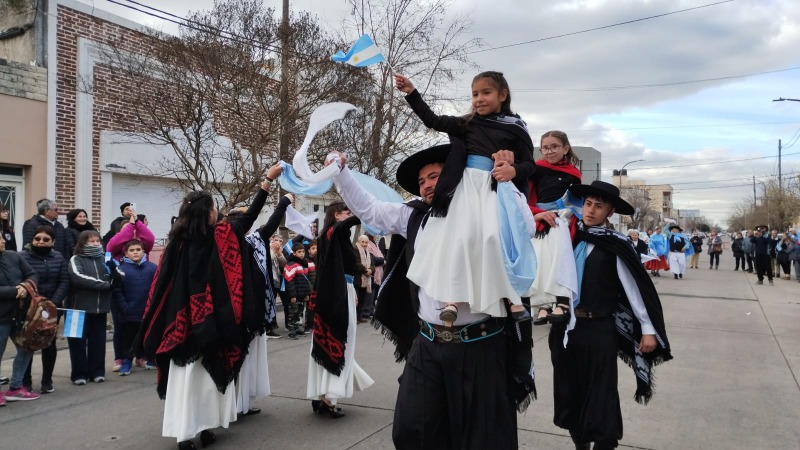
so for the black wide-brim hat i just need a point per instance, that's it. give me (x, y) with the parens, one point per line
(761, 226)
(605, 190)
(673, 226)
(408, 170)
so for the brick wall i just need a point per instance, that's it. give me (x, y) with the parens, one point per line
(71, 25)
(22, 80)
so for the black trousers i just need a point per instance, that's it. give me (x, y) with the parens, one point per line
(456, 396)
(585, 395)
(88, 354)
(128, 331)
(763, 266)
(363, 302)
(739, 258)
(750, 260)
(713, 257)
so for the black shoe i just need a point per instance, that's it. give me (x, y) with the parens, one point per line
(3, 380)
(680, 275)
(331, 410)
(271, 334)
(251, 412)
(521, 316)
(292, 336)
(207, 438)
(676, 276)
(299, 332)
(541, 314)
(315, 404)
(562, 317)
(47, 388)
(186, 445)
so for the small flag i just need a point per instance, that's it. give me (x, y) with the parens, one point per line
(73, 323)
(363, 53)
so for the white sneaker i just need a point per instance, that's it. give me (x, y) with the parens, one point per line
(99, 379)
(79, 382)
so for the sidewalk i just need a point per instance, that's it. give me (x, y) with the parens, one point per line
(733, 384)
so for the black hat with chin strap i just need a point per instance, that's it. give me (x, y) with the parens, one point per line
(605, 190)
(408, 171)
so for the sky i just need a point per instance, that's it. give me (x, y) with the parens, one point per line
(692, 89)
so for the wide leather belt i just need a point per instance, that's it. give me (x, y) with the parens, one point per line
(462, 334)
(584, 314)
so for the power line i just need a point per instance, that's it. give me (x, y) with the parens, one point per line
(627, 22)
(640, 86)
(695, 164)
(584, 130)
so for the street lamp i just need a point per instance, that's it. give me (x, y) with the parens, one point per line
(619, 217)
(781, 99)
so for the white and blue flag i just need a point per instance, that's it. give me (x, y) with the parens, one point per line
(73, 323)
(363, 53)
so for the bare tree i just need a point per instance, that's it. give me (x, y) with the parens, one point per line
(424, 42)
(639, 198)
(211, 93)
(777, 208)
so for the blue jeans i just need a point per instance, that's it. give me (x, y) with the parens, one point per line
(21, 360)
(88, 354)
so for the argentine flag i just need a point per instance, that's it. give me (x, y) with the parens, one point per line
(363, 53)
(73, 323)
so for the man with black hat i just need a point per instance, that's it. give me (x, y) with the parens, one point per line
(472, 379)
(762, 246)
(616, 311)
(677, 258)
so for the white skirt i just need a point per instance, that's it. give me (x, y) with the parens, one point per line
(556, 275)
(194, 404)
(333, 387)
(253, 379)
(458, 258)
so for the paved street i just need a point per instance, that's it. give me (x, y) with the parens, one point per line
(733, 384)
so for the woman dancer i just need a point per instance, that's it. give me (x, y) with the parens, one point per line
(332, 368)
(658, 246)
(195, 322)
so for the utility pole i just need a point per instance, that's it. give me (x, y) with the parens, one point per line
(754, 192)
(780, 181)
(283, 95)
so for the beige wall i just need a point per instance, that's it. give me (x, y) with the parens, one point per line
(23, 127)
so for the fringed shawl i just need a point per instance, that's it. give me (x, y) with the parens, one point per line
(629, 331)
(336, 257)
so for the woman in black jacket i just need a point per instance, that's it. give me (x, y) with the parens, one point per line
(91, 285)
(51, 267)
(78, 221)
(738, 250)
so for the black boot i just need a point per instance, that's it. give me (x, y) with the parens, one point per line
(207, 438)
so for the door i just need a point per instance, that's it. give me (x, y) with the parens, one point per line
(11, 196)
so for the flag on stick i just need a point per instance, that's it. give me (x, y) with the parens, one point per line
(73, 323)
(363, 53)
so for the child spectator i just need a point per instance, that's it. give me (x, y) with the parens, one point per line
(299, 275)
(135, 276)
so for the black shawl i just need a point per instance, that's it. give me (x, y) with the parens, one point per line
(337, 257)
(198, 300)
(629, 331)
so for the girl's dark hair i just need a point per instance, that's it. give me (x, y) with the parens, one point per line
(561, 136)
(83, 238)
(73, 214)
(192, 221)
(5, 224)
(499, 82)
(47, 229)
(330, 215)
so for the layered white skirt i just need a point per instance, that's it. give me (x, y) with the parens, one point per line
(458, 258)
(194, 404)
(556, 275)
(253, 379)
(333, 387)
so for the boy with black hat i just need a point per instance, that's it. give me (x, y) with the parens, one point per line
(299, 274)
(616, 311)
(677, 245)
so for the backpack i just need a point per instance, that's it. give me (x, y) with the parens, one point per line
(40, 324)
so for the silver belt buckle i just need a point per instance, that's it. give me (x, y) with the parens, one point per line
(446, 336)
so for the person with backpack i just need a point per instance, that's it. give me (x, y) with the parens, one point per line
(51, 268)
(14, 271)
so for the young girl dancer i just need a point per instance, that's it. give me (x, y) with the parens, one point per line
(464, 229)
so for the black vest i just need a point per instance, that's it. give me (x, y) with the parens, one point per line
(601, 289)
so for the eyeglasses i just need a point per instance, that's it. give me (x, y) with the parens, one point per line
(552, 149)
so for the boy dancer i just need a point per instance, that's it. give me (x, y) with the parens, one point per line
(616, 311)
